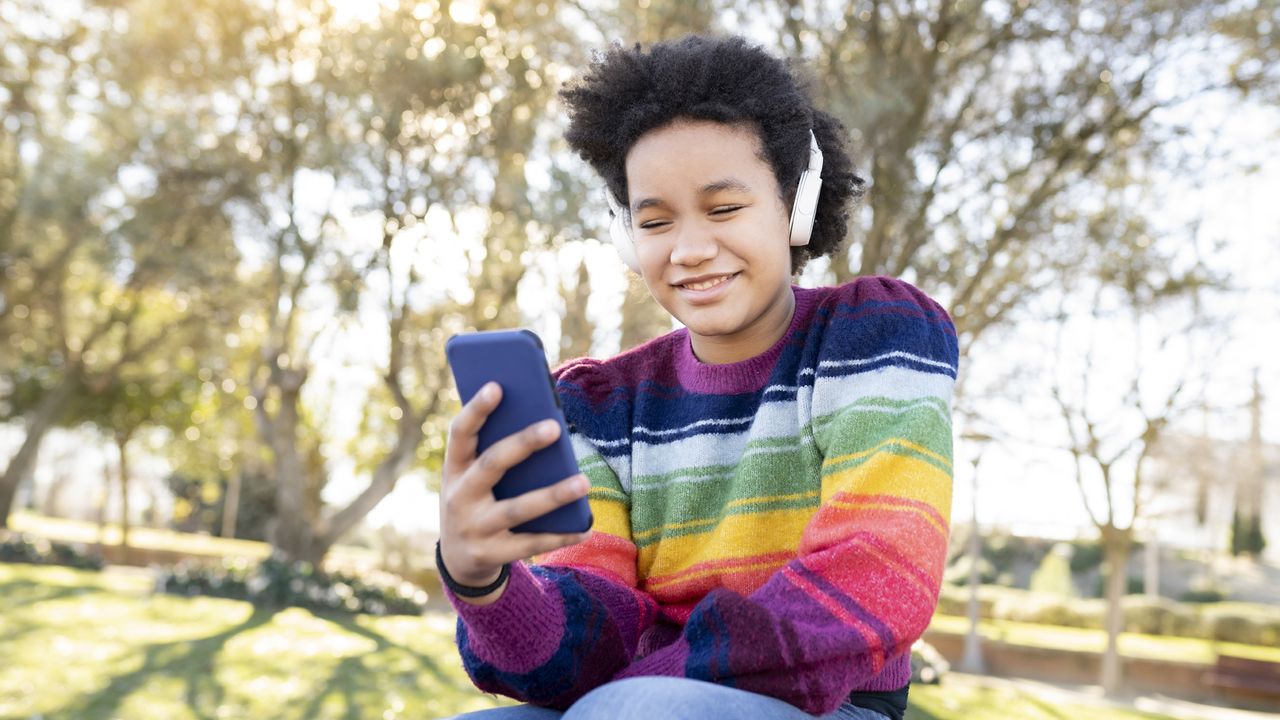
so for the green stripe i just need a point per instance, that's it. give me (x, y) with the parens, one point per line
(894, 449)
(781, 473)
(759, 508)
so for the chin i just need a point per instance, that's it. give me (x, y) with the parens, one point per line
(710, 326)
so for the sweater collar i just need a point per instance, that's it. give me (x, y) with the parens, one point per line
(742, 376)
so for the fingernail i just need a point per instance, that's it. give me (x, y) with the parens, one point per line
(583, 486)
(489, 390)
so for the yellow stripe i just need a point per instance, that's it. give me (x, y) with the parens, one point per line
(905, 477)
(675, 526)
(609, 494)
(736, 536)
(772, 498)
(736, 503)
(610, 517)
(891, 441)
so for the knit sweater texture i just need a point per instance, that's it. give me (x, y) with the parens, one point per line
(778, 525)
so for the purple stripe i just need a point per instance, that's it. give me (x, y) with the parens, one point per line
(886, 635)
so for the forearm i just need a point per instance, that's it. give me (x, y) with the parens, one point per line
(551, 636)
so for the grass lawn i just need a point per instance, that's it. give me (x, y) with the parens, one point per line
(96, 646)
(1154, 647)
(956, 699)
(145, 538)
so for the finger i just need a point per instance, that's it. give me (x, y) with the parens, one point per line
(465, 429)
(506, 514)
(526, 545)
(505, 454)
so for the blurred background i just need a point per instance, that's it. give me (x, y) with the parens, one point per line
(235, 234)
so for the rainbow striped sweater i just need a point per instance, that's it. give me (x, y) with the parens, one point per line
(778, 525)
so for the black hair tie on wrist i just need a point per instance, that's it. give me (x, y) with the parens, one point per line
(466, 590)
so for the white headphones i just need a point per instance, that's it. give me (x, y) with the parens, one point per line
(803, 210)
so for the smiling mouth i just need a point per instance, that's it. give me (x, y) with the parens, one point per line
(709, 283)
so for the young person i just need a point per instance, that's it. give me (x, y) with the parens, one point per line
(771, 484)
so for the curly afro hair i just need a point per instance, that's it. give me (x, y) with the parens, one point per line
(628, 92)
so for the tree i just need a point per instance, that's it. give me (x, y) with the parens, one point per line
(92, 235)
(979, 121)
(1132, 352)
(444, 109)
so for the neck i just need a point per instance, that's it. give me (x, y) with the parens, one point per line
(751, 341)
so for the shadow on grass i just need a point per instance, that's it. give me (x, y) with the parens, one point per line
(17, 594)
(191, 661)
(352, 675)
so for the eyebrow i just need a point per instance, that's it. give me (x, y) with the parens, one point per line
(710, 188)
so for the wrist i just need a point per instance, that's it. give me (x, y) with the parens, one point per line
(480, 590)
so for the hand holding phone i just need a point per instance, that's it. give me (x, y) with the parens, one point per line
(510, 485)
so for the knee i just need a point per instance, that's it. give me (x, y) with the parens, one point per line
(646, 698)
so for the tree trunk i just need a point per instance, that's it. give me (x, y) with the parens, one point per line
(1116, 546)
(384, 481)
(23, 462)
(1151, 567)
(122, 446)
(293, 534)
(231, 504)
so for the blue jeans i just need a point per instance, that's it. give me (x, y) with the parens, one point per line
(667, 698)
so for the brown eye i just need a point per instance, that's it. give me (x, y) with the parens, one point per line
(726, 209)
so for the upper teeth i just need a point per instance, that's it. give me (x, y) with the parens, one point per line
(703, 285)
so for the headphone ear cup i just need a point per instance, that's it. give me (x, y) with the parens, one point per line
(620, 234)
(804, 209)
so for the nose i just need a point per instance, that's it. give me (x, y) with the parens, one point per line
(695, 243)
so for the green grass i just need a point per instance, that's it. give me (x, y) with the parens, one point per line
(98, 646)
(1155, 647)
(958, 699)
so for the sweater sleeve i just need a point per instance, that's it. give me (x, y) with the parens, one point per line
(570, 621)
(865, 582)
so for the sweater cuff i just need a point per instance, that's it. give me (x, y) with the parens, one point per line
(526, 610)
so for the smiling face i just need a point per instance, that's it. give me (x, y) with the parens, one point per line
(710, 233)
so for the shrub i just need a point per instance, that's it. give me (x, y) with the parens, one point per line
(1206, 595)
(20, 548)
(1085, 555)
(1158, 616)
(277, 583)
(1054, 574)
(1053, 610)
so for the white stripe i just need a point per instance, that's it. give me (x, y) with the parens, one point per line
(878, 358)
(834, 393)
(690, 426)
(893, 410)
(656, 483)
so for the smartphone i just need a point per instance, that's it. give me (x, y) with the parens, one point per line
(515, 360)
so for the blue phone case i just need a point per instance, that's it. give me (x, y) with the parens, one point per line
(515, 360)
